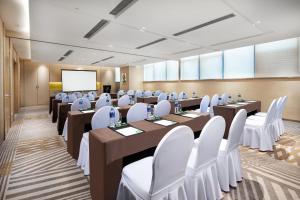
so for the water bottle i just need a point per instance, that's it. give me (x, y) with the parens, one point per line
(179, 107)
(176, 106)
(112, 115)
(149, 111)
(194, 94)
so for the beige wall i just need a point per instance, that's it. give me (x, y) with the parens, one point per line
(136, 77)
(264, 89)
(2, 135)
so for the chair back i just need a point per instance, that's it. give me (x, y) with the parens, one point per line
(162, 96)
(236, 129)
(204, 104)
(271, 114)
(70, 98)
(157, 93)
(103, 101)
(224, 98)
(182, 95)
(208, 144)
(124, 100)
(148, 93)
(214, 101)
(77, 94)
(101, 118)
(137, 112)
(90, 97)
(139, 93)
(105, 95)
(81, 104)
(120, 93)
(169, 164)
(284, 101)
(94, 93)
(60, 96)
(173, 96)
(162, 108)
(278, 107)
(130, 92)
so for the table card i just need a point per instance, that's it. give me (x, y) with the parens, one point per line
(165, 122)
(128, 131)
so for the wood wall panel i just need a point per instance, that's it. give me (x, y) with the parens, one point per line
(2, 134)
(124, 85)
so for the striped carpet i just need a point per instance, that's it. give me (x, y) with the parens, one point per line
(35, 165)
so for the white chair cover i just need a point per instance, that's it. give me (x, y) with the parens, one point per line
(148, 93)
(224, 98)
(173, 96)
(204, 104)
(60, 96)
(103, 101)
(105, 95)
(78, 104)
(280, 114)
(214, 102)
(160, 177)
(100, 119)
(94, 93)
(260, 133)
(77, 94)
(162, 108)
(130, 92)
(182, 95)
(137, 112)
(90, 97)
(162, 96)
(124, 100)
(157, 93)
(70, 98)
(229, 162)
(139, 93)
(120, 93)
(201, 174)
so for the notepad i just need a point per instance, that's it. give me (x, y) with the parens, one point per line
(87, 111)
(128, 131)
(165, 122)
(190, 115)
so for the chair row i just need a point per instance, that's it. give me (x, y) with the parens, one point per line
(71, 97)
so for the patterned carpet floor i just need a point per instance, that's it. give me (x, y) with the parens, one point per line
(34, 164)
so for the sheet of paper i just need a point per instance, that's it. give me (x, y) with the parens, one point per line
(165, 122)
(191, 115)
(87, 111)
(70, 103)
(233, 105)
(242, 103)
(251, 101)
(129, 131)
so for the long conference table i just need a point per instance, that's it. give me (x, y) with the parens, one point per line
(109, 150)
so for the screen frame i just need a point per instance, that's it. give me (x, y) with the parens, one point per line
(77, 70)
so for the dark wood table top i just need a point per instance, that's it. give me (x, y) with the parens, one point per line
(148, 100)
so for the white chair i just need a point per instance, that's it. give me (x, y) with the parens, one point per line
(78, 104)
(148, 93)
(130, 92)
(162, 108)
(124, 100)
(139, 93)
(157, 93)
(229, 162)
(160, 177)
(94, 93)
(173, 96)
(260, 133)
(60, 96)
(182, 95)
(77, 94)
(201, 174)
(105, 95)
(100, 119)
(90, 97)
(224, 98)
(214, 102)
(70, 98)
(120, 93)
(137, 112)
(204, 104)
(162, 96)
(103, 101)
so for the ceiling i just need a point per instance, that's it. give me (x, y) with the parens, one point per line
(57, 26)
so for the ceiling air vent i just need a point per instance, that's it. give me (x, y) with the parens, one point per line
(104, 59)
(96, 28)
(121, 7)
(151, 43)
(205, 24)
(68, 53)
(61, 59)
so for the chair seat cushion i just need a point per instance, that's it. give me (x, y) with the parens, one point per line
(262, 114)
(138, 176)
(223, 145)
(254, 117)
(254, 123)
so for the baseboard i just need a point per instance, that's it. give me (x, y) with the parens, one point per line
(292, 120)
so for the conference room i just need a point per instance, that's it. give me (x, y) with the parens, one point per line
(161, 100)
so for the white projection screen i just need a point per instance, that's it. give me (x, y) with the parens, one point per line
(78, 80)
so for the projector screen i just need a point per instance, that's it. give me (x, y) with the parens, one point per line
(78, 80)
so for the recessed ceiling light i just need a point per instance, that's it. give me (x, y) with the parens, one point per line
(142, 29)
(258, 22)
(110, 46)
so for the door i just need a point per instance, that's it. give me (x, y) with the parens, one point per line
(43, 85)
(30, 85)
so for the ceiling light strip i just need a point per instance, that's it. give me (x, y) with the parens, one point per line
(151, 43)
(68, 53)
(121, 7)
(100, 25)
(205, 24)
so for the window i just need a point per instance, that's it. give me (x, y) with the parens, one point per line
(278, 58)
(172, 70)
(160, 71)
(189, 69)
(149, 72)
(211, 65)
(117, 74)
(239, 62)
